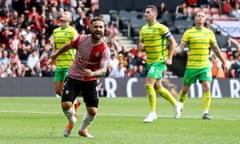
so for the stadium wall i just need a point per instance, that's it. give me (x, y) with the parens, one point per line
(129, 87)
(140, 5)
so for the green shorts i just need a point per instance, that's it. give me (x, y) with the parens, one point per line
(60, 74)
(155, 70)
(192, 75)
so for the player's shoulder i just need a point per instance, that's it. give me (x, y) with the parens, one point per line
(70, 27)
(208, 30)
(56, 29)
(144, 26)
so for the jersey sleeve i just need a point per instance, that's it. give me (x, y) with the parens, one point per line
(185, 37)
(212, 38)
(75, 41)
(165, 32)
(105, 56)
(74, 33)
(140, 35)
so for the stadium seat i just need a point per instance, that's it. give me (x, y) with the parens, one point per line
(224, 16)
(168, 19)
(182, 25)
(206, 10)
(195, 9)
(214, 11)
(177, 38)
(124, 22)
(136, 24)
(222, 41)
(215, 16)
(114, 17)
(107, 18)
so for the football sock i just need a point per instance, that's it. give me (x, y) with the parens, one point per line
(167, 95)
(86, 121)
(206, 100)
(151, 97)
(183, 96)
(58, 96)
(69, 115)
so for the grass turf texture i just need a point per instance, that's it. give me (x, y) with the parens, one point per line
(119, 121)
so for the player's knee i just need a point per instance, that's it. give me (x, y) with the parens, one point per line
(148, 86)
(66, 105)
(92, 111)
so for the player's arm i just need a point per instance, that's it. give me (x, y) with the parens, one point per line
(141, 42)
(181, 46)
(98, 73)
(172, 47)
(103, 66)
(141, 46)
(218, 53)
(55, 54)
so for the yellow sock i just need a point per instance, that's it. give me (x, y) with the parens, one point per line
(167, 95)
(206, 100)
(151, 97)
(183, 96)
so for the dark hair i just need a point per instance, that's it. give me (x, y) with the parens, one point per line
(153, 7)
(97, 19)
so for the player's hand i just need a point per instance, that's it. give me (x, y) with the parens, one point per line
(88, 72)
(141, 46)
(178, 50)
(52, 59)
(225, 67)
(169, 61)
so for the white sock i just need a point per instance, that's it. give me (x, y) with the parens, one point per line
(58, 96)
(86, 121)
(205, 112)
(69, 115)
(75, 101)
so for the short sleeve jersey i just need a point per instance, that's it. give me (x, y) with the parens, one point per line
(88, 56)
(199, 41)
(155, 38)
(62, 36)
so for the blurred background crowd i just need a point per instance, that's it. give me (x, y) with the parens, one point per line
(26, 27)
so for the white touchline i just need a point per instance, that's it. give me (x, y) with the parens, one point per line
(218, 117)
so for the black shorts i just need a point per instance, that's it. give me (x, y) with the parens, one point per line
(72, 89)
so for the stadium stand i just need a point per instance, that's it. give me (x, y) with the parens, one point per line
(15, 33)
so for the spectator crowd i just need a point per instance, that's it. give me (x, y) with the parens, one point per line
(26, 27)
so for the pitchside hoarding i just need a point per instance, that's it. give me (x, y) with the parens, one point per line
(231, 27)
(129, 87)
(133, 87)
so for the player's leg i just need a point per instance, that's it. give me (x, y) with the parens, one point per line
(62, 76)
(152, 75)
(206, 78)
(151, 94)
(165, 93)
(70, 92)
(206, 100)
(58, 82)
(91, 100)
(183, 94)
(190, 77)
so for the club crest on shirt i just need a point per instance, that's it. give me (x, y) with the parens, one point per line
(97, 54)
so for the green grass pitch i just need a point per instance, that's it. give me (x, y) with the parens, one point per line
(32, 120)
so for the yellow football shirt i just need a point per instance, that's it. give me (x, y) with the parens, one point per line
(199, 41)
